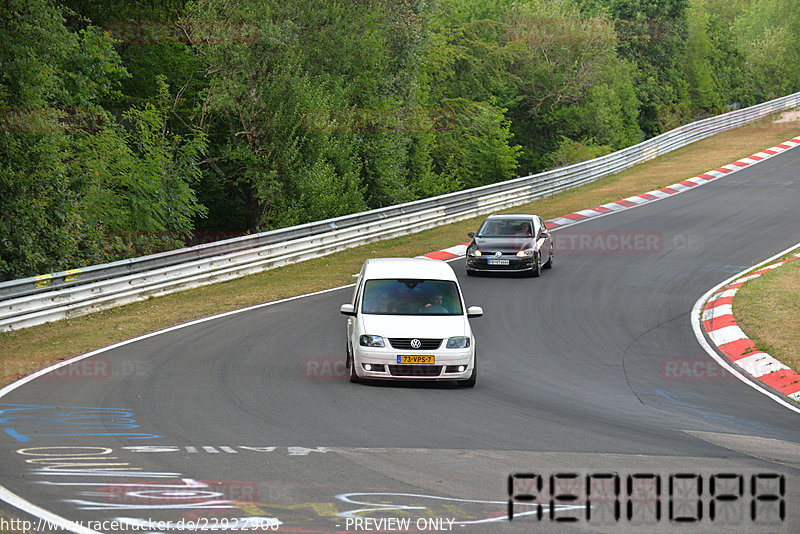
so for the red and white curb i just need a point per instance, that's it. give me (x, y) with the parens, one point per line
(447, 253)
(730, 340)
(638, 200)
(674, 189)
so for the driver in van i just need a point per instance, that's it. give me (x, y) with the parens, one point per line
(435, 305)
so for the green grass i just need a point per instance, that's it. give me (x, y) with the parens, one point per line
(767, 309)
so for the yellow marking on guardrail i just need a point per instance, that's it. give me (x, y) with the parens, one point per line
(72, 275)
(43, 280)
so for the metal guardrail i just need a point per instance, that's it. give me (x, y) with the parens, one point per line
(31, 301)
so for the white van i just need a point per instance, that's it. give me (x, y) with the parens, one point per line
(407, 321)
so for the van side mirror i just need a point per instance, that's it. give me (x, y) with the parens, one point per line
(348, 309)
(474, 311)
(471, 234)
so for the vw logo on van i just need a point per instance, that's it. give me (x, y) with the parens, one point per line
(416, 343)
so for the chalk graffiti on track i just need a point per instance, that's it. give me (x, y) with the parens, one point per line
(25, 422)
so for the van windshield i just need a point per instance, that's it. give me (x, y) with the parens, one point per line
(411, 297)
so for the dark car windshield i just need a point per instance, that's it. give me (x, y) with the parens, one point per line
(411, 297)
(506, 228)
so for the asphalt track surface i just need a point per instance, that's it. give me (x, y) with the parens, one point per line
(583, 370)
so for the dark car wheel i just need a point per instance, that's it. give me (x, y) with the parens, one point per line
(536, 270)
(549, 264)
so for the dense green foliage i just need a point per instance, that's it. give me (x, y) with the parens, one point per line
(77, 185)
(128, 125)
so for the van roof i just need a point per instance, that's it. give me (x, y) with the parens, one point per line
(419, 268)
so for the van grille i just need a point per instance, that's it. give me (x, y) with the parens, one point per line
(405, 343)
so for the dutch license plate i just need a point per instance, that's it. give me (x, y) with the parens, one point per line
(498, 262)
(415, 359)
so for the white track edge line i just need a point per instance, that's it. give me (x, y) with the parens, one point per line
(45, 515)
(698, 332)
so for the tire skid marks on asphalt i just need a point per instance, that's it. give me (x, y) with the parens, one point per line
(719, 324)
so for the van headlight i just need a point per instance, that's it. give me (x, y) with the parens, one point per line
(370, 341)
(458, 342)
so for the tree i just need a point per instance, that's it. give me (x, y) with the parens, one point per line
(652, 35)
(136, 183)
(50, 81)
(72, 179)
(467, 72)
(768, 37)
(699, 74)
(568, 81)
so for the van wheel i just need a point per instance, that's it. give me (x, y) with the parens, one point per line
(470, 382)
(353, 376)
(351, 365)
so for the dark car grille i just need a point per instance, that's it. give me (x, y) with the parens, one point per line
(415, 370)
(513, 264)
(405, 343)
